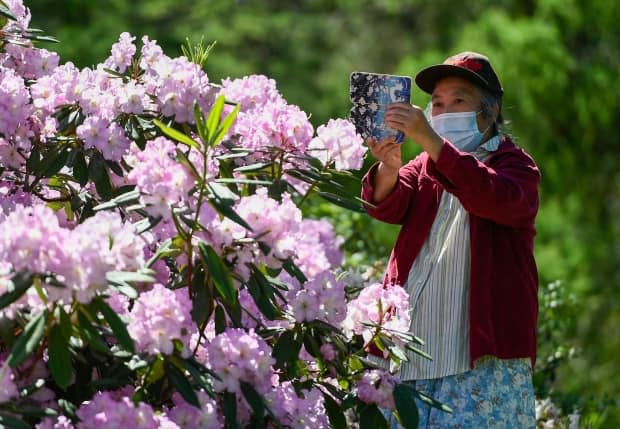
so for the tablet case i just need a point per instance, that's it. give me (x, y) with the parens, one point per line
(370, 94)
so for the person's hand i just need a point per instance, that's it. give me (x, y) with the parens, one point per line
(387, 151)
(408, 118)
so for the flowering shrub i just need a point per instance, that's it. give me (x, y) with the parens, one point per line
(155, 267)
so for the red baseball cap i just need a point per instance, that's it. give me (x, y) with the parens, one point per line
(472, 66)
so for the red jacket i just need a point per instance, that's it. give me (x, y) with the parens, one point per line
(501, 197)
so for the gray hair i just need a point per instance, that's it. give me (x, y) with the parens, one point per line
(488, 100)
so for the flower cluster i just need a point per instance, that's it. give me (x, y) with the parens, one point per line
(376, 387)
(338, 142)
(237, 355)
(321, 298)
(79, 257)
(161, 316)
(190, 417)
(113, 410)
(378, 305)
(163, 182)
(295, 411)
(8, 389)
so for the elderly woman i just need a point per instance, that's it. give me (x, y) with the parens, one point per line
(467, 206)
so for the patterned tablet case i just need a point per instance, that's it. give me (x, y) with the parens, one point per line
(370, 94)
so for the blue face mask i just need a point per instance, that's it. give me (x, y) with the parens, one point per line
(459, 128)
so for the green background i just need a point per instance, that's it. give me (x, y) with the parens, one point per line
(559, 62)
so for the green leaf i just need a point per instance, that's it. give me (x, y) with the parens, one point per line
(404, 398)
(418, 351)
(7, 421)
(220, 320)
(129, 276)
(431, 402)
(218, 272)
(5, 11)
(229, 407)
(334, 412)
(201, 298)
(225, 126)
(59, 362)
(262, 292)
(290, 267)
(89, 334)
(254, 399)
(243, 181)
(214, 117)
(17, 286)
(124, 199)
(29, 340)
(201, 126)
(116, 324)
(343, 202)
(258, 166)
(80, 168)
(176, 135)
(53, 161)
(98, 173)
(34, 160)
(286, 349)
(182, 384)
(372, 418)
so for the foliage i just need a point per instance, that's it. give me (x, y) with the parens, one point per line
(155, 266)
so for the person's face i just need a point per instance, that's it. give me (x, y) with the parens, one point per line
(454, 94)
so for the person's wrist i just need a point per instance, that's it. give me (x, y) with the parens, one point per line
(388, 169)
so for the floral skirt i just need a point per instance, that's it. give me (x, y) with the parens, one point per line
(497, 393)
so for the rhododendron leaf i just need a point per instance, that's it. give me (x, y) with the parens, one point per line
(80, 168)
(6, 12)
(53, 161)
(223, 128)
(89, 334)
(404, 398)
(286, 349)
(418, 352)
(294, 270)
(229, 407)
(16, 287)
(257, 166)
(123, 199)
(29, 340)
(214, 117)
(181, 383)
(176, 135)
(201, 298)
(116, 324)
(397, 352)
(98, 173)
(7, 421)
(335, 414)
(372, 418)
(352, 205)
(201, 125)
(243, 181)
(225, 210)
(256, 402)
(183, 159)
(218, 272)
(220, 320)
(130, 276)
(263, 294)
(59, 362)
(431, 402)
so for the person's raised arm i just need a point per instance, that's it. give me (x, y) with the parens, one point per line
(388, 153)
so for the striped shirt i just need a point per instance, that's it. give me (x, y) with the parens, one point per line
(438, 287)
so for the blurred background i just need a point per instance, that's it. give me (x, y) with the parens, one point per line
(559, 62)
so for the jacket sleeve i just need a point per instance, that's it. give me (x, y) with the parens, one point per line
(505, 192)
(394, 207)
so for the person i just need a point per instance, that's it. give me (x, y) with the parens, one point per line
(467, 206)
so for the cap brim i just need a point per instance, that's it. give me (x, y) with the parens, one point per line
(427, 78)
